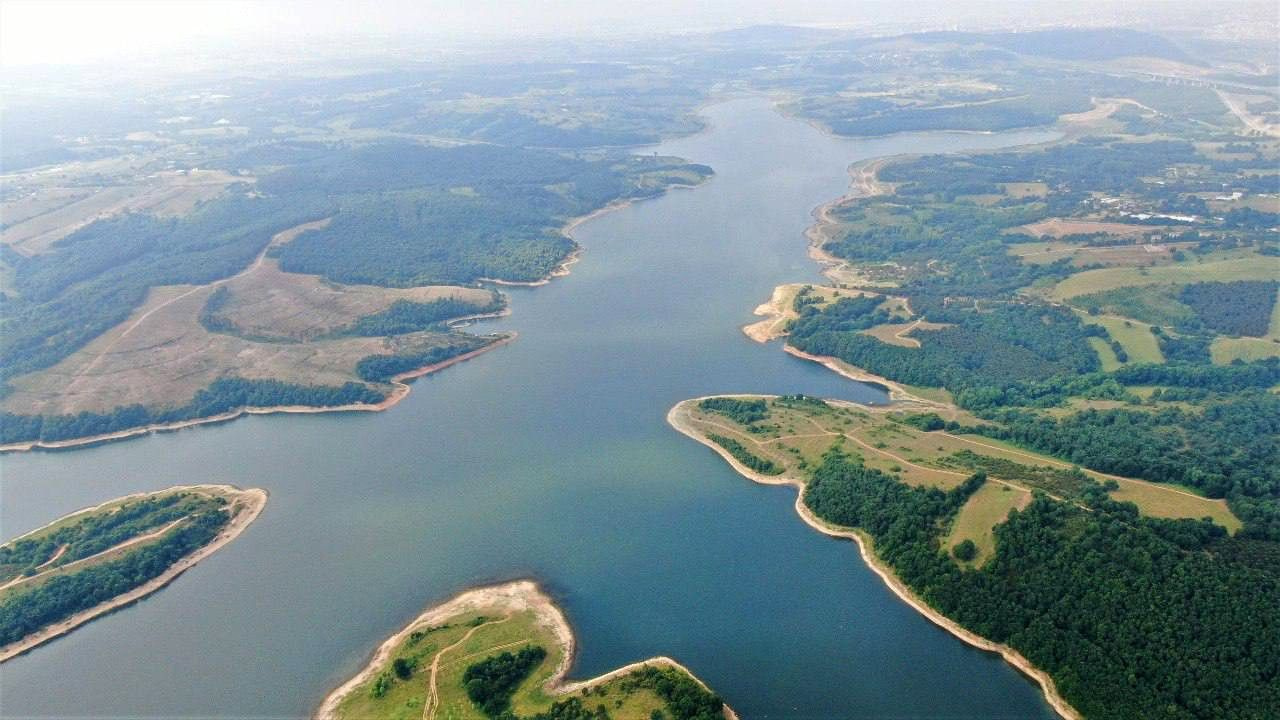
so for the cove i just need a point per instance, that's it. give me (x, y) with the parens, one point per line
(548, 458)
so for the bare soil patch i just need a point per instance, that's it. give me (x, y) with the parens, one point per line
(1058, 227)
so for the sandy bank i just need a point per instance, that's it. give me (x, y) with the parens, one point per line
(776, 312)
(248, 504)
(515, 596)
(897, 393)
(677, 418)
(400, 389)
(864, 182)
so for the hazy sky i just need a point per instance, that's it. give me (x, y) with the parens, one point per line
(90, 31)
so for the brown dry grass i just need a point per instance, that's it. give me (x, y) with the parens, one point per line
(900, 333)
(981, 513)
(1082, 255)
(53, 212)
(270, 303)
(162, 356)
(1058, 227)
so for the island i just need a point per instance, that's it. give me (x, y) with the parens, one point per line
(504, 652)
(97, 560)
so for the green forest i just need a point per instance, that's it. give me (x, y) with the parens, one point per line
(98, 531)
(403, 214)
(25, 611)
(1131, 616)
(224, 395)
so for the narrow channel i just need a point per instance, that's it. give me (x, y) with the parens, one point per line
(549, 458)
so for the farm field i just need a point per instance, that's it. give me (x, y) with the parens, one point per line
(1091, 281)
(1135, 337)
(48, 213)
(1141, 255)
(1225, 350)
(977, 518)
(1059, 227)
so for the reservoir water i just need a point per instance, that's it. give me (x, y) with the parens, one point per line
(548, 458)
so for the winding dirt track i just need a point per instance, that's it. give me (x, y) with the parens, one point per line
(512, 597)
(433, 694)
(279, 238)
(115, 548)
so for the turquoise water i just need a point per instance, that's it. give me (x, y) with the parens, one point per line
(548, 458)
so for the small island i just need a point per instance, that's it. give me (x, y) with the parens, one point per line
(96, 560)
(504, 652)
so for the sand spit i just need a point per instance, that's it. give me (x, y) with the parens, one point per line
(677, 419)
(250, 503)
(515, 596)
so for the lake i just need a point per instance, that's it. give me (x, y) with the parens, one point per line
(548, 458)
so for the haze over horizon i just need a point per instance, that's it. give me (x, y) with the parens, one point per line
(76, 32)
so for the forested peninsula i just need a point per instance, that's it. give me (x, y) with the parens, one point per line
(1079, 465)
(321, 285)
(1002, 548)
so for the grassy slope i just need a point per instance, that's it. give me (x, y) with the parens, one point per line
(1090, 281)
(796, 438)
(981, 513)
(465, 639)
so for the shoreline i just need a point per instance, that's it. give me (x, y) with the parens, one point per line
(257, 500)
(563, 268)
(873, 561)
(400, 391)
(516, 595)
(864, 182)
(897, 393)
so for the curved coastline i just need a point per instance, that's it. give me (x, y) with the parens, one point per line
(399, 391)
(516, 595)
(256, 500)
(886, 574)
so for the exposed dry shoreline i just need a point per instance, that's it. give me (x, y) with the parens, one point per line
(252, 500)
(676, 418)
(515, 596)
(400, 389)
(897, 393)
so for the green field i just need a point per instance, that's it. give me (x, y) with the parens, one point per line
(1135, 337)
(977, 519)
(1106, 355)
(424, 673)
(1224, 349)
(796, 435)
(1092, 281)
